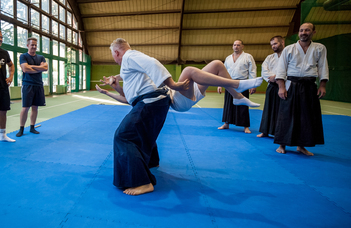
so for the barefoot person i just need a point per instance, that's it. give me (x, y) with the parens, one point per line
(240, 66)
(213, 74)
(135, 138)
(32, 85)
(272, 101)
(4, 91)
(135, 147)
(300, 120)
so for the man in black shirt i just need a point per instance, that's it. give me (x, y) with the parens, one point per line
(4, 90)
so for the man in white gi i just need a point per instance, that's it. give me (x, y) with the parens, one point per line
(240, 66)
(271, 104)
(135, 149)
(300, 119)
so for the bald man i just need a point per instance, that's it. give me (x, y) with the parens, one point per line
(300, 119)
(240, 66)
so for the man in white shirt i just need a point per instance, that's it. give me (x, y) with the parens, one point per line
(271, 104)
(240, 66)
(135, 149)
(300, 120)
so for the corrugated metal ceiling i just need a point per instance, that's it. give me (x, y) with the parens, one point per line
(180, 31)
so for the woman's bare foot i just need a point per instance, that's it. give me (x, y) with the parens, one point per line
(281, 149)
(224, 126)
(139, 190)
(247, 130)
(304, 151)
(262, 135)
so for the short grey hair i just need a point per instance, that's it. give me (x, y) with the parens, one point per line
(120, 44)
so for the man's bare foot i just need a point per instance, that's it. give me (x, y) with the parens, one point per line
(304, 151)
(262, 135)
(139, 190)
(247, 130)
(224, 126)
(281, 149)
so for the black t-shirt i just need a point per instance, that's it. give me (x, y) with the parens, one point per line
(4, 59)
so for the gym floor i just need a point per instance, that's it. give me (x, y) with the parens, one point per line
(61, 104)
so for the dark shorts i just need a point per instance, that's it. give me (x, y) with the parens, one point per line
(4, 99)
(33, 95)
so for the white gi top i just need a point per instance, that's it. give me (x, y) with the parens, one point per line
(243, 68)
(141, 74)
(269, 66)
(294, 62)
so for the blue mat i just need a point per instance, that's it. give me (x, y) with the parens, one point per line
(207, 177)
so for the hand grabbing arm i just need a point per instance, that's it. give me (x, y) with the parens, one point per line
(179, 86)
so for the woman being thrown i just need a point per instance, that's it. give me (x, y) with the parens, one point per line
(213, 74)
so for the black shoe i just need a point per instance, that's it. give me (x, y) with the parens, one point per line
(19, 134)
(34, 131)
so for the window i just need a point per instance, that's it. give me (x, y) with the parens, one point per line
(55, 47)
(69, 35)
(35, 2)
(62, 32)
(7, 7)
(35, 16)
(62, 50)
(45, 5)
(73, 56)
(75, 24)
(46, 45)
(62, 73)
(84, 78)
(80, 43)
(19, 70)
(22, 12)
(54, 74)
(22, 36)
(45, 74)
(62, 14)
(80, 56)
(54, 8)
(69, 18)
(80, 77)
(55, 28)
(45, 23)
(63, 1)
(74, 38)
(36, 35)
(7, 33)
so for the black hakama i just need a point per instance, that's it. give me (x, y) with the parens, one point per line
(270, 110)
(135, 148)
(235, 114)
(300, 120)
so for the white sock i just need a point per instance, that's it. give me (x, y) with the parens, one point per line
(249, 84)
(4, 138)
(245, 101)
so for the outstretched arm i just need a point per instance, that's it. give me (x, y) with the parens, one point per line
(113, 81)
(117, 97)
